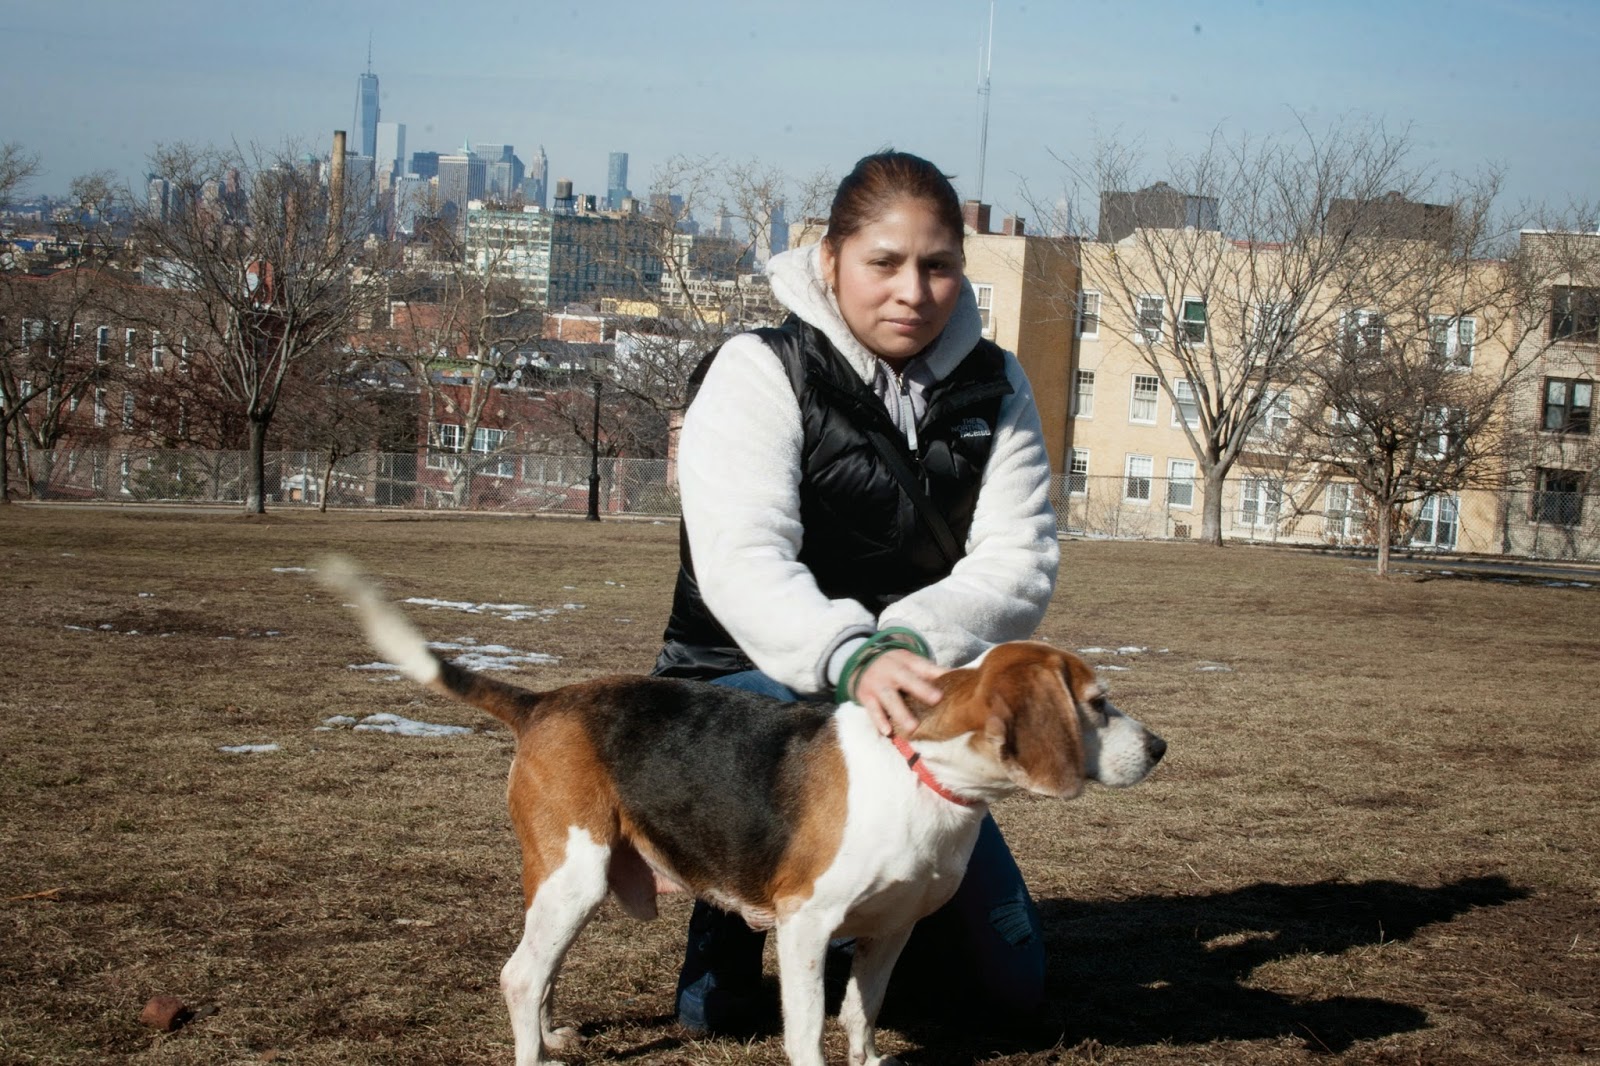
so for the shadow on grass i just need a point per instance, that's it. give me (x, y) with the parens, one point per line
(1175, 969)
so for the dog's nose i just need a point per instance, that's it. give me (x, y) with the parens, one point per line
(1156, 747)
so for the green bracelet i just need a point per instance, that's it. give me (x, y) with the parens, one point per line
(884, 640)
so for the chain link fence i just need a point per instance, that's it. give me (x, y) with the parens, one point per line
(532, 483)
(1523, 523)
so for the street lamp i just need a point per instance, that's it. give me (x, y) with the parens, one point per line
(594, 444)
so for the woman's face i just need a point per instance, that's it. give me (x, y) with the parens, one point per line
(897, 279)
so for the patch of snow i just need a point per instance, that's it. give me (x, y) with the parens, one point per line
(1214, 668)
(1111, 668)
(247, 749)
(510, 612)
(1094, 651)
(339, 719)
(1131, 649)
(81, 629)
(146, 595)
(293, 570)
(407, 727)
(390, 667)
(1582, 585)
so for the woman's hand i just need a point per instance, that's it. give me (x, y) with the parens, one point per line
(885, 683)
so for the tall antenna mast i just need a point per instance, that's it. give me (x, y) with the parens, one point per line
(985, 64)
(369, 51)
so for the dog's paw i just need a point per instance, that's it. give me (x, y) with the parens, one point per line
(563, 1039)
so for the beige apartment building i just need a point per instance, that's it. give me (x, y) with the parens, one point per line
(1024, 285)
(1132, 470)
(1553, 511)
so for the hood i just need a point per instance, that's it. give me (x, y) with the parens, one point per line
(796, 277)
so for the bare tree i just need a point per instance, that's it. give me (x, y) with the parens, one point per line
(711, 286)
(1214, 276)
(1408, 378)
(48, 366)
(461, 327)
(333, 407)
(266, 267)
(18, 166)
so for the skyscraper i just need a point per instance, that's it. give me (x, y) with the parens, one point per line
(366, 122)
(536, 186)
(391, 158)
(461, 180)
(617, 181)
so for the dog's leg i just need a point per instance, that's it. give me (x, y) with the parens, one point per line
(802, 948)
(561, 906)
(869, 979)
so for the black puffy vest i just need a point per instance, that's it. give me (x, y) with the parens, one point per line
(863, 539)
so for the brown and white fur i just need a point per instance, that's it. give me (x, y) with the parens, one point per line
(799, 816)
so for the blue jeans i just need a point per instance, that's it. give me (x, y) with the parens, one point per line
(986, 941)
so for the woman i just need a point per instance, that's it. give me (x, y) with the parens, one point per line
(872, 468)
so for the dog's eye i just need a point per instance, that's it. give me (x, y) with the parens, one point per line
(1100, 709)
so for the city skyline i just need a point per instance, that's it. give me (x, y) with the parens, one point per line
(806, 88)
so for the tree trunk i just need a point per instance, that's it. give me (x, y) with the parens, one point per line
(255, 495)
(5, 464)
(1385, 521)
(1211, 507)
(327, 480)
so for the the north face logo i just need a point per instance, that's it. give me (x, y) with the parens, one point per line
(969, 428)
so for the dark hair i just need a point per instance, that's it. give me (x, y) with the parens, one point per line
(880, 179)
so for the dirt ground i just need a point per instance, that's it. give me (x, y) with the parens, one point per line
(1373, 839)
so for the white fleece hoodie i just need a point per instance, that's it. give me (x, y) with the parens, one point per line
(739, 473)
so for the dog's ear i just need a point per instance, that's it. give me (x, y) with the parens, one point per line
(1033, 720)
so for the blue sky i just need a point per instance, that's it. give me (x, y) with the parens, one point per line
(812, 84)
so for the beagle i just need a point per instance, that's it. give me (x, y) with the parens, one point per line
(799, 816)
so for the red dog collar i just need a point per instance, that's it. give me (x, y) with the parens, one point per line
(920, 768)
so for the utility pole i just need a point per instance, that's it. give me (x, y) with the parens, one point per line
(985, 64)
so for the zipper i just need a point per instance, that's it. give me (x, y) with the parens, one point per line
(908, 415)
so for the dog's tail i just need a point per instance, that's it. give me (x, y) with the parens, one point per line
(398, 641)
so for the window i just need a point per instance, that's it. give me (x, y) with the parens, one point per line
(1083, 394)
(1078, 473)
(1152, 309)
(1575, 314)
(1567, 404)
(1363, 333)
(1184, 404)
(127, 410)
(1089, 314)
(158, 351)
(1180, 482)
(1260, 501)
(985, 295)
(489, 441)
(1450, 341)
(1274, 328)
(1142, 407)
(128, 339)
(1272, 416)
(447, 440)
(1194, 321)
(1437, 521)
(1559, 497)
(1343, 513)
(102, 344)
(1136, 484)
(1436, 433)
(125, 475)
(100, 407)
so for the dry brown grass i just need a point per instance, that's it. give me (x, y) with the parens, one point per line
(1374, 839)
